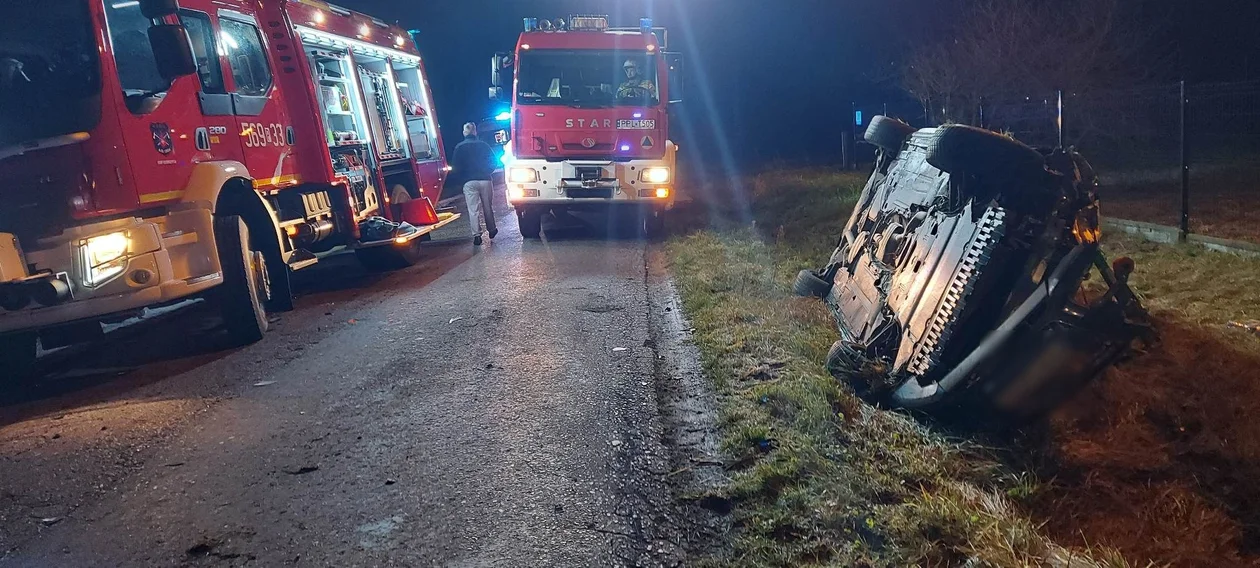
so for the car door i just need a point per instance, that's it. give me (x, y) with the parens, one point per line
(262, 120)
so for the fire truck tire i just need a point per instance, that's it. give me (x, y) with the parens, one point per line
(653, 225)
(530, 221)
(965, 149)
(389, 258)
(17, 354)
(245, 285)
(888, 134)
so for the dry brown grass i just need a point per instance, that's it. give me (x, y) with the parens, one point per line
(1162, 459)
(1224, 201)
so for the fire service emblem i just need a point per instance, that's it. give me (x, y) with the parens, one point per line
(162, 141)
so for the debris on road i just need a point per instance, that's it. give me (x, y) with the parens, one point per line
(50, 521)
(264, 383)
(453, 320)
(1253, 326)
(619, 349)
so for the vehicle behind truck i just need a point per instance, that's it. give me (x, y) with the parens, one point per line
(589, 120)
(162, 150)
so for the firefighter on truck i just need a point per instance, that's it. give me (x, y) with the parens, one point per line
(167, 149)
(589, 120)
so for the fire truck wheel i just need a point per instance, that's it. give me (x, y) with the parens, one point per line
(530, 221)
(390, 257)
(17, 354)
(653, 224)
(245, 282)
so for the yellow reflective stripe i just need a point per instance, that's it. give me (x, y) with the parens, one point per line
(277, 181)
(164, 196)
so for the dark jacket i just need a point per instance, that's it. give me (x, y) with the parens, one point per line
(474, 160)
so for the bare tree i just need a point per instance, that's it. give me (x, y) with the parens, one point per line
(1004, 47)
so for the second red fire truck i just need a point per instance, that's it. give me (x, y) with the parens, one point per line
(589, 119)
(155, 150)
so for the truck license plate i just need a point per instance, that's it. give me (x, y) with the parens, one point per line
(636, 125)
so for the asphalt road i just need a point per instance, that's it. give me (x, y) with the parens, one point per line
(488, 407)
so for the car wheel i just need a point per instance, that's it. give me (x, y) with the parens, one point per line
(246, 283)
(810, 285)
(530, 221)
(390, 257)
(960, 149)
(18, 354)
(888, 134)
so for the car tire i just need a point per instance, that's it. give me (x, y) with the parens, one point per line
(958, 149)
(810, 285)
(244, 291)
(18, 353)
(888, 134)
(530, 221)
(388, 258)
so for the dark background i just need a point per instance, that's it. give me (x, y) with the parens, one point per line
(773, 80)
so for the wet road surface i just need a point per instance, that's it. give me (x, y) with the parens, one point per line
(489, 407)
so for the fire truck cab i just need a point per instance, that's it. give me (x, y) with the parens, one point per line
(156, 150)
(589, 119)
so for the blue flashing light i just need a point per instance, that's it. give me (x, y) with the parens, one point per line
(625, 147)
(638, 114)
(645, 25)
(503, 116)
(857, 118)
(531, 24)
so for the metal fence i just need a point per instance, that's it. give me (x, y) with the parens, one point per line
(1182, 155)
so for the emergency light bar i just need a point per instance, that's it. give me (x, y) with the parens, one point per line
(588, 23)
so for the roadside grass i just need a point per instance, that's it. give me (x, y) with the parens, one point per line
(818, 477)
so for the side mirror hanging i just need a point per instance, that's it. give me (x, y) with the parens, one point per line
(172, 50)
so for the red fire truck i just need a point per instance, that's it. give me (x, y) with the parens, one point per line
(589, 119)
(154, 150)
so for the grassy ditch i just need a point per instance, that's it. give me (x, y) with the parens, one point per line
(817, 477)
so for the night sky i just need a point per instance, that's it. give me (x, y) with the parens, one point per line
(768, 80)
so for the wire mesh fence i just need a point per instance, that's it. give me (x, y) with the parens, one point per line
(1140, 139)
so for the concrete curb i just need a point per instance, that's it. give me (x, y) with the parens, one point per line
(1171, 235)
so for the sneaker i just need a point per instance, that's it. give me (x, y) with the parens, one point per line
(493, 233)
(477, 241)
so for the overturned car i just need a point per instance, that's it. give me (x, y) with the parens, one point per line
(964, 276)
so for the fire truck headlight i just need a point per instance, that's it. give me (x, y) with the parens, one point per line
(655, 175)
(104, 257)
(522, 175)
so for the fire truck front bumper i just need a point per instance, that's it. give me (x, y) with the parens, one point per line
(579, 184)
(106, 270)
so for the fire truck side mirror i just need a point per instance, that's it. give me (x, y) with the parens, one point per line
(500, 75)
(154, 9)
(173, 51)
(675, 76)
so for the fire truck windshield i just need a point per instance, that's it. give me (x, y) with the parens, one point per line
(587, 78)
(49, 70)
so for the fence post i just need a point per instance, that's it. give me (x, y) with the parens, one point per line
(1185, 167)
(853, 137)
(1059, 120)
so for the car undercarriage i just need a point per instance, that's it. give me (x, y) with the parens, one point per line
(971, 272)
